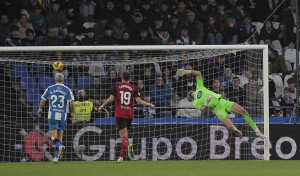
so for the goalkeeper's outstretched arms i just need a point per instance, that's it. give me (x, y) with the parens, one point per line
(181, 72)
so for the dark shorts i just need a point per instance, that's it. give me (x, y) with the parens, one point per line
(123, 123)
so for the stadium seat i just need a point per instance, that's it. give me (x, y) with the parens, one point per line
(69, 82)
(19, 70)
(285, 80)
(33, 96)
(87, 25)
(290, 55)
(37, 67)
(275, 25)
(278, 84)
(84, 82)
(79, 37)
(28, 83)
(45, 82)
(258, 25)
(289, 66)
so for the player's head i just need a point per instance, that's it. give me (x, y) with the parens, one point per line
(81, 95)
(190, 96)
(59, 78)
(126, 76)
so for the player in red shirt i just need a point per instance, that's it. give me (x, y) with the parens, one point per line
(124, 93)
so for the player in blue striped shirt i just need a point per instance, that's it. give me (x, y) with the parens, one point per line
(59, 97)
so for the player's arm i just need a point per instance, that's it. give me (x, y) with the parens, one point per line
(107, 101)
(142, 102)
(42, 103)
(181, 72)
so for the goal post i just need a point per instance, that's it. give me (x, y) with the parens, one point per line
(165, 128)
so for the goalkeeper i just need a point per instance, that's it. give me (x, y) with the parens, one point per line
(205, 100)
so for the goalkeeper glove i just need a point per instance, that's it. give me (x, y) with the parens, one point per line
(181, 72)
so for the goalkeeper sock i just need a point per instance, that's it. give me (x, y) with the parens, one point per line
(124, 145)
(250, 121)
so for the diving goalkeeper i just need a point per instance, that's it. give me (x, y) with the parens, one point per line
(205, 100)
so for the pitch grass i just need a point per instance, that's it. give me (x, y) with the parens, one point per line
(153, 168)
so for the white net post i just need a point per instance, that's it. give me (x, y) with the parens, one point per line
(154, 139)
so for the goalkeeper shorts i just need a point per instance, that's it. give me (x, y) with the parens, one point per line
(222, 109)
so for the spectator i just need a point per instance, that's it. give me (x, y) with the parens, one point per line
(247, 30)
(108, 38)
(226, 78)
(56, 18)
(212, 32)
(271, 104)
(230, 32)
(111, 80)
(287, 101)
(290, 17)
(71, 8)
(186, 109)
(186, 83)
(141, 87)
(96, 92)
(23, 26)
(164, 37)
(13, 38)
(286, 38)
(252, 96)
(218, 66)
(5, 28)
(137, 26)
(195, 28)
(174, 27)
(90, 39)
(168, 78)
(30, 40)
(109, 11)
(126, 39)
(38, 21)
(118, 27)
(204, 12)
(154, 28)
(96, 69)
(144, 38)
(268, 32)
(11, 8)
(217, 86)
(148, 13)
(127, 13)
(124, 64)
(148, 77)
(292, 86)
(161, 93)
(100, 26)
(165, 13)
(277, 63)
(245, 77)
(239, 13)
(87, 9)
(147, 111)
(50, 39)
(185, 38)
(235, 92)
(70, 38)
(221, 15)
(181, 11)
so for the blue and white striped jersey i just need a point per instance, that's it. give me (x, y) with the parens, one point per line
(59, 97)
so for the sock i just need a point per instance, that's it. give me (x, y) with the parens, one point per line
(250, 122)
(56, 153)
(124, 145)
(57, 144)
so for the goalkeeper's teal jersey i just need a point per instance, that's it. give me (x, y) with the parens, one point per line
(201, 94)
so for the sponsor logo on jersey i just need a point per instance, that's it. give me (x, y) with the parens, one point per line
(199, 94)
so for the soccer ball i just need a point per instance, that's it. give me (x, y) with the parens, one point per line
(58, 66)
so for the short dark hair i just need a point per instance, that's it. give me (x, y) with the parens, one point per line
(287, 89)
(98, 77)
(126, 75)
(29, 31)
(291, 81)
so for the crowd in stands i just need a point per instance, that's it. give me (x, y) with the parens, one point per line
(159, 22)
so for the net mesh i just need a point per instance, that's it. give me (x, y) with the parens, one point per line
(174, 130)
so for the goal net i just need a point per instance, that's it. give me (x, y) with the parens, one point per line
(175, 130)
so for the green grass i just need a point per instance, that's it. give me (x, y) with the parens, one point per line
(153, 168)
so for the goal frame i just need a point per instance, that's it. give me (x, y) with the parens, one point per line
(173, 47)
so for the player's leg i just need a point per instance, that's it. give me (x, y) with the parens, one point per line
(61, 148)
(229, 125)
(53, 126)
(130, 147)
(123, 132)
(236, 108)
